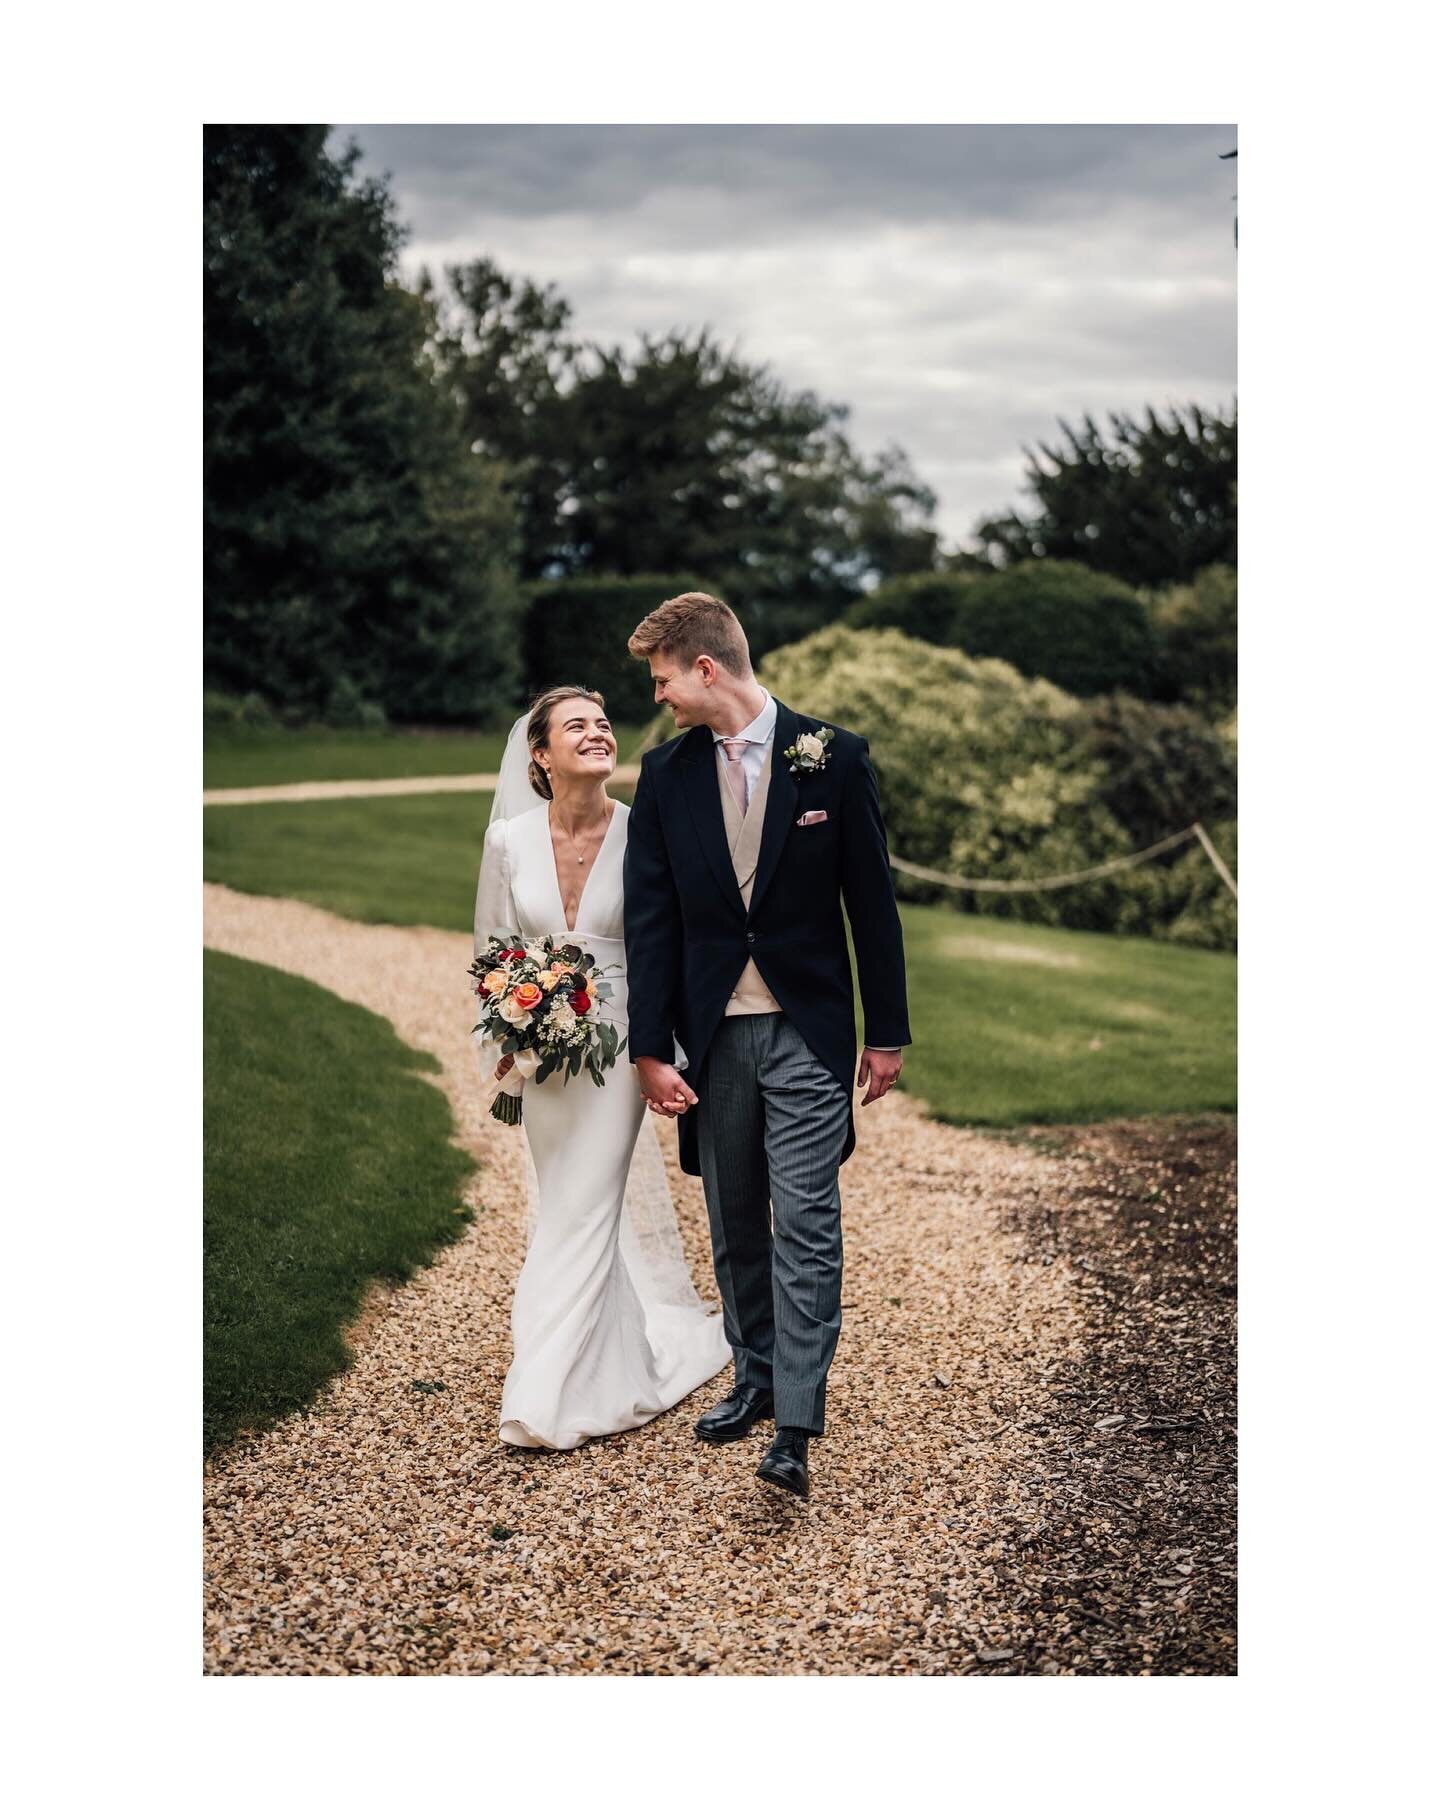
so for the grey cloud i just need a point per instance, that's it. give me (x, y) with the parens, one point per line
(802, 172)
(958, 286)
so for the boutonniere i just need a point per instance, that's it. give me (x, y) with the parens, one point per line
(808, 753)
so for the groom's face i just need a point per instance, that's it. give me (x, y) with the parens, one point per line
(687, 690)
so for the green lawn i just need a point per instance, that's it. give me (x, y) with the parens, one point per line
(328, 1165)
(408, 860)
(1014, 1024)
(269, 758)
(1023, 1024)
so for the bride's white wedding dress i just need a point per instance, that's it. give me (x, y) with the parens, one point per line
(608, 1329)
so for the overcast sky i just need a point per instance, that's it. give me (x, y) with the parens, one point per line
(960, 287)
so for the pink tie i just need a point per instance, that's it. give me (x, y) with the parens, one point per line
(734, 748)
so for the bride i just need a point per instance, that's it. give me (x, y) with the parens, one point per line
(608, 1329)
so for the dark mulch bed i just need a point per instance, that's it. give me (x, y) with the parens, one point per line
(1133, 1569)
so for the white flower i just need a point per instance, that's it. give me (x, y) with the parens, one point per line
(512, 1011)
(561, 1024)
(808, 753)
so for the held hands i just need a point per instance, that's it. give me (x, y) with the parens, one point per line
(665, 1089)
(881, 1068)
(668, 1093)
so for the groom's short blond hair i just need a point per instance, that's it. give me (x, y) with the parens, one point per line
(693, 625)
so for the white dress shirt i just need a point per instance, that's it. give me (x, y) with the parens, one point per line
(757, 735)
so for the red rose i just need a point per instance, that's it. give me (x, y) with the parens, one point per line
(580, 1001)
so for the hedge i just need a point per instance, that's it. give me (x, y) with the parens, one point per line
(576, 630)
(1198, 630)
(1059, 621)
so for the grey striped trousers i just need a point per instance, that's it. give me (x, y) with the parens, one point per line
(771, 1124)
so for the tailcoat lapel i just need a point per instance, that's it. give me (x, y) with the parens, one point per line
(702, 791)
(779, 803)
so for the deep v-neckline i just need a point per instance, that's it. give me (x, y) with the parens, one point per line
(594, 865)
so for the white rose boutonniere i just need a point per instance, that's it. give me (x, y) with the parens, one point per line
(809, 753)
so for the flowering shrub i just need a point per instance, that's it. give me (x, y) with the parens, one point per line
(984, 772)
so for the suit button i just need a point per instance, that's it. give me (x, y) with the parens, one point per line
(749, 937)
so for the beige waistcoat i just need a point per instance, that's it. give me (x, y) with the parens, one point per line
(742, 832)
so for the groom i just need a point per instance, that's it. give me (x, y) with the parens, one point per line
(745, 835)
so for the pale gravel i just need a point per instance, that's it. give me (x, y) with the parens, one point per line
(380, 788)
(357, 1538)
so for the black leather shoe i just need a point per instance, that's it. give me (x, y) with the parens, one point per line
(785, 1463)
(736, 1414)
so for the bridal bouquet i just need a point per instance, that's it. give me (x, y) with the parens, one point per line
(540, 1000)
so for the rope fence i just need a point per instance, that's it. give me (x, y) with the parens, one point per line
(1042, 883)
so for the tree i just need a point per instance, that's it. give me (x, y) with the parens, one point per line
(350, 535)
(506, 356)
(1154, 507)
(677, 454)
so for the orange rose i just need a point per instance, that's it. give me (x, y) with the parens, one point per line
(527, 995)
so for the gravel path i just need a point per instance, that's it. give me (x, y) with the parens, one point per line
(370, 790)
(1028, 1467)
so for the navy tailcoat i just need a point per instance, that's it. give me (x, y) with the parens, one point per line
(688, 934)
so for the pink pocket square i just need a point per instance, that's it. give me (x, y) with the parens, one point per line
(812, 818)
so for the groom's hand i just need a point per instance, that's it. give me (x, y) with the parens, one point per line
(881, 1068)
(665, 1089)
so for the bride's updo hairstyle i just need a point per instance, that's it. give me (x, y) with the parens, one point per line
(537, 733)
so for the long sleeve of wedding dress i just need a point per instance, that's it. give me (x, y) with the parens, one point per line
(495, 915)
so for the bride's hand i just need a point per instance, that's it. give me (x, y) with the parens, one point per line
(665, 1089)
(503, 1067)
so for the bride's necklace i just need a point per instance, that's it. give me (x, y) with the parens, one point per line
(579, 854)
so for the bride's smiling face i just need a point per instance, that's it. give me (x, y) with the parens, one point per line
(580, 745)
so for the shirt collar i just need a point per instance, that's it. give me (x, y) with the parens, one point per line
(761, 728)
